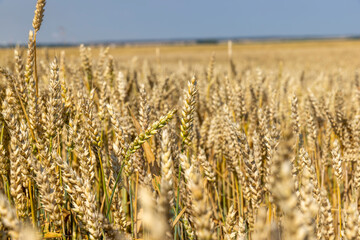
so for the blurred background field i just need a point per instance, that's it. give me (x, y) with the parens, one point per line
(293, 54)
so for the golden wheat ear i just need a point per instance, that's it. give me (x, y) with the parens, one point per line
(39, 14)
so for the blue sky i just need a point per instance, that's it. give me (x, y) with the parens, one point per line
(75, 21)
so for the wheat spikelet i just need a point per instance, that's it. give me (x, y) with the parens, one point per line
(206, 166)
(230, 224)
(242, 229)
(30, 57)
(337, 162)
(308, 204)
(295, 115)
(167, 169)
(48, 193)
(307, 165)
(326, 218)
(188, 111)
(86, 65)
(84, 200)
(55, 106)
(201, 210)
(4, 161)
(39, 14)
(20, 83)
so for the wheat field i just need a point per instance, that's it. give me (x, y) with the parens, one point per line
(257, 140)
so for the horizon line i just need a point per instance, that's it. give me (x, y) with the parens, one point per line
(201, 40)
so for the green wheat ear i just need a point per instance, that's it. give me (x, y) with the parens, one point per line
(144, 136)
